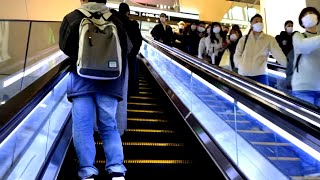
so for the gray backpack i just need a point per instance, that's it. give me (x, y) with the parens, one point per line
(99, 54)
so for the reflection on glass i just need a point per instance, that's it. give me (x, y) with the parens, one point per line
(43, 54)
(4, 41)
(13, 45)
(23, 152)
(43, 51)
(261, 149)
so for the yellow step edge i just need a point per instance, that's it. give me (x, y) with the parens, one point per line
(143, 84)
(142, 80)
(147, 161)
(145, 92)
(145, 88)
(140, 97)
(270, 143)
(284, 158)
(150, 130)
(146, 120)
(143, 111)
(142, 104)
(254, 131)
(148, 144)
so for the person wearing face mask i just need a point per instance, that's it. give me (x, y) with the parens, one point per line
(193, 38)
(305, 79)
(285, 38)
(252, 52)
(202, 52)
(178, 36)
(234, 37)
(215, 44)
(162, 32)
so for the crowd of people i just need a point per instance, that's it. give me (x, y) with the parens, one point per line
(104, 101)
(249, 54)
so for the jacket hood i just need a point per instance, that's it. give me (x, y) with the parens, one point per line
(94, 7)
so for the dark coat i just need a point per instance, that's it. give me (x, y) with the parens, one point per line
(69, 44)
(285, 42)
(162, 35)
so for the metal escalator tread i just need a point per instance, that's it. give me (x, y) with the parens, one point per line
(155, 145)
(153, 148)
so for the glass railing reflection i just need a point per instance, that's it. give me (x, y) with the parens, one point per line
(28, 50)
(261, 149)
(25, 150)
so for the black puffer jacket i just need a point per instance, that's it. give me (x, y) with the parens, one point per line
(285, 42)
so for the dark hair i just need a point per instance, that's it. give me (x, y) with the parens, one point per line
(213, 35)
(201, 22)
(235, 26)
(124, 8)
(236, 30)
(207, 34)
(255, 16)
(288, 22)
(308, 9)
(98, 1)
(163, 14)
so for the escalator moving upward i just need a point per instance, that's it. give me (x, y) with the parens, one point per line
(157, 144)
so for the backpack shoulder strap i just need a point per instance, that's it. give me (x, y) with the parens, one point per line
(299, 56)
(106, 15)
(85, 12)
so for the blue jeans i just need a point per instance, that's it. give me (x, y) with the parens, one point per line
(85, 109)
(261, 79)
(312, 97)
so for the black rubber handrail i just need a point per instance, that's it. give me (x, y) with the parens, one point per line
(269, 89)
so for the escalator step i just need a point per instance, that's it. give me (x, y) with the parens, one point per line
(151, 152)
(135, 136)
(140, 104)
(145, 88)
(143, 99)
(151, 131)
(146, 106)
(147, 120)
(146, 114)
(149, 125)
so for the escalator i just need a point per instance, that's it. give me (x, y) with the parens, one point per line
(189, 121)
(157, 143)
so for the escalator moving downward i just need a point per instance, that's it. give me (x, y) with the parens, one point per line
(157, 144)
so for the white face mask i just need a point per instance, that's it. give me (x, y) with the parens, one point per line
(289, 29)
(216, 30)
(309, 20)
(162, 19)
(201, 29)
(257, 27)
(193, 27)
(233, 37)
